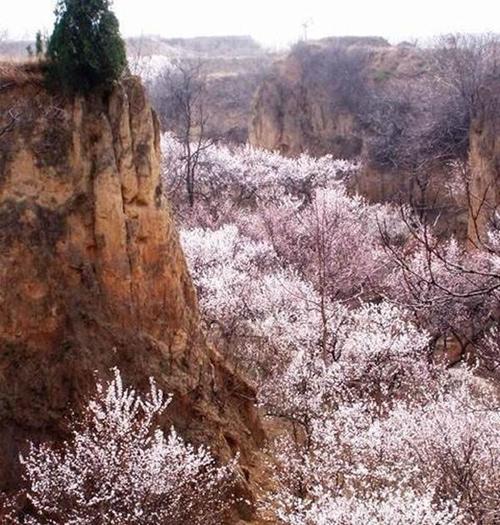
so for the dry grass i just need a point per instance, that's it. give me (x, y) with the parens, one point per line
(20, 73)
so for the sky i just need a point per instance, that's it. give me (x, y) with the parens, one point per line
(274, 23)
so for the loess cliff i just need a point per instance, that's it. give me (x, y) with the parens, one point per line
(311, 100)
(317, 98)
(92, 276)
(359, 98)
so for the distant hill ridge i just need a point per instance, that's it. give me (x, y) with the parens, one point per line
(227, 46)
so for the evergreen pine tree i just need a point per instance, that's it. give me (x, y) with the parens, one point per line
(85, 49)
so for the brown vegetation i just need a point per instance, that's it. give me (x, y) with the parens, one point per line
(16, 74)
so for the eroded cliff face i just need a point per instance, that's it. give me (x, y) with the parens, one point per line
(293, 115)
(311, 100)
(316, 101)
(92, 276)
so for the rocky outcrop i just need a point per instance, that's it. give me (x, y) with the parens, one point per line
(319, 100)
(311, 100)
(293, 116)
(92, 276)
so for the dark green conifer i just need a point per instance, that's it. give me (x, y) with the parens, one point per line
(85, 49)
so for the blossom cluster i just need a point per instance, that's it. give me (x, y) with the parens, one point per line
(336, 308)
(118, 466)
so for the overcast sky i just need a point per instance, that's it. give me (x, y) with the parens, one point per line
(274, 22)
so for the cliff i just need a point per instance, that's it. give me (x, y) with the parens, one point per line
(311, 100)
(339, 96)
(92, 276)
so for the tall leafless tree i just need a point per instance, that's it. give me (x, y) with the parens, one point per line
(468, 66)
(180, 95)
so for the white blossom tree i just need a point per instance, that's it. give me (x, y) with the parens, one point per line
(120, 467)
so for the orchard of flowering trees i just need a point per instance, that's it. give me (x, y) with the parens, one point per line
(372, 342)
(373, 345)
